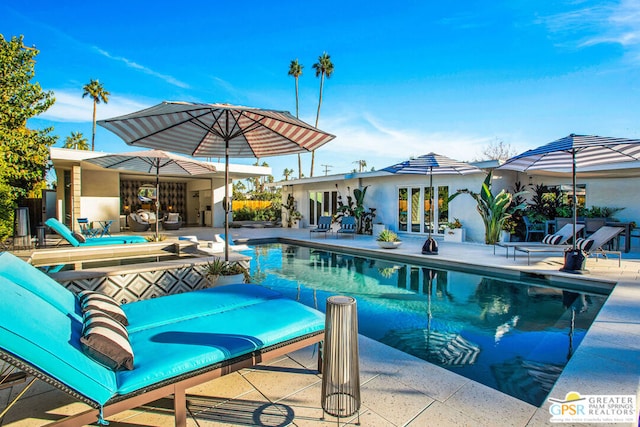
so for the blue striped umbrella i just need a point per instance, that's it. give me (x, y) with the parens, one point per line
(573, 152)
(432, 164)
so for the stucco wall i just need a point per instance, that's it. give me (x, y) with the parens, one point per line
(382, 195)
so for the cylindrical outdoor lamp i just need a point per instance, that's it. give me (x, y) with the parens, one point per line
(340, 366)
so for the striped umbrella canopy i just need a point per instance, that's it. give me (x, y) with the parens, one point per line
(154, 162)
(432, 164)
(216, 130)
(573, 152)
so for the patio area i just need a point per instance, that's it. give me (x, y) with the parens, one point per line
(397, 389)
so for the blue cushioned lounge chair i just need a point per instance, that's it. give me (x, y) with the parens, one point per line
(178, 341)
(64, 232)
(348, 226)
(324, 226)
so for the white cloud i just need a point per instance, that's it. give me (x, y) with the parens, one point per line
(131, 64)
(617, 23)
(70, 106)
(365, 137)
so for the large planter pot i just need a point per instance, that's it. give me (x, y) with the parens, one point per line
(505, 236)
(454, 235)
(226, 280)
(388, 245)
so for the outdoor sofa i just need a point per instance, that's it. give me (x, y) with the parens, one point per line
(176, 342)
(76, 239)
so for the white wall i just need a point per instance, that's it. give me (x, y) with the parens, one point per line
(382, 195)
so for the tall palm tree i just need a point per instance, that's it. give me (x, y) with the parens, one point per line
(96, 91)
(361, 164)
(295, 70)
(324, 67)
(287, 173)
(77, 141)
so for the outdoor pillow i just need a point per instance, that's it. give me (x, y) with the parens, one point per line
(106, 341)
(144, 216)
(95, 300)
(584, 244)
(79, 237)
(551, 239)
(173, 217)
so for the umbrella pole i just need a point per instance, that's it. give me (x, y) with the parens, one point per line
(226, 201)
(430, 200)
(157, 197)
(574, 259)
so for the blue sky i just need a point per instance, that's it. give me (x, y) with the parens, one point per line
(410, 77)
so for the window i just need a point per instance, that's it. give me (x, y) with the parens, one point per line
(402, 209)
(322, 203)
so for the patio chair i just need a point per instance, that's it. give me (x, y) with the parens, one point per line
(86, 229)
(559, 239)
(597, 243)
(324, 226)
(347, 226)
(592, 245)
(532, 228)
(137, 224)
(76, 239)
(171, 343)
(172, 222)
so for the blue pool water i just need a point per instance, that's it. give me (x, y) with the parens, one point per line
(513, 336)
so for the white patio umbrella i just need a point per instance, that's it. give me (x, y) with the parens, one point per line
(570, 153)
(432, 164)
(154, 162)
(216, 130)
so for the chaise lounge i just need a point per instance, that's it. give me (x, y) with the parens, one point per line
(176, 342)
(76, 240)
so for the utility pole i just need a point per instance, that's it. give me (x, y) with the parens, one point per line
(326, 169)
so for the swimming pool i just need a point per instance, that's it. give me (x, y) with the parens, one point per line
(510, 335)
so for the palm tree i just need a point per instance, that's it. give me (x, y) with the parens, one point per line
(324, 67)
(96, 91)
(295, 70)
(361, 165)
(287, 173)
(77, 141)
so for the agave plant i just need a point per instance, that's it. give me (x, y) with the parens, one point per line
(494, 209)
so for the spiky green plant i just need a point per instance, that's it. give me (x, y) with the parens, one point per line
(494, 210)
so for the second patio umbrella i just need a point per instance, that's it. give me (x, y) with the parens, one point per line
(569, 154)
(432, 164)
(153, 162)
(216, 130)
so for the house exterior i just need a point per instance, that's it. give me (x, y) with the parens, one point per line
(85, 190)
(401, 201)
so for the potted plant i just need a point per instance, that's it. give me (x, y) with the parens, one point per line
(454, 231)
(387, 239)
(508, 229)
(219, 272)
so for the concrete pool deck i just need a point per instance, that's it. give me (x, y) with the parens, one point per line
(397, 389)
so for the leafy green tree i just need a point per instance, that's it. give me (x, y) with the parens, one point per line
(95, 91)
(76, 141)
(24, 152)
(324, 67)
(362, 164)
(295, 70)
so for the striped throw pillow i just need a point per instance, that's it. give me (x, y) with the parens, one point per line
(584, 244)
(106, 341)
(551, 239)
(349, 226)
(95, 300)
